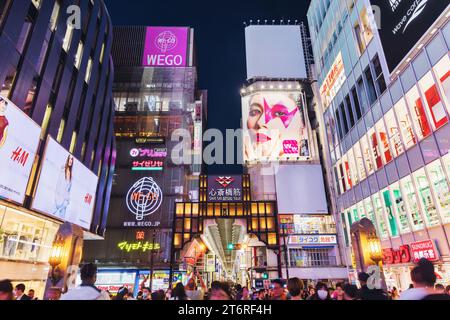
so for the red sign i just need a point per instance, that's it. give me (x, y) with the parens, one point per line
(140, 235)
(402, 255)
(424, 249)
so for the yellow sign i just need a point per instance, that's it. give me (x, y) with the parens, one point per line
(138, 246)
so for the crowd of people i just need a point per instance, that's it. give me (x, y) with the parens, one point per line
(423, 287)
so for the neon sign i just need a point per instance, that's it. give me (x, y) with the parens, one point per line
(144, 198)
(147, 152)
(138, 246)
(147, 165)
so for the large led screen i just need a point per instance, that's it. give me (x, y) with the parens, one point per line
(301, 189)
(403, 23)
(274, 51)
(166, 47)
(19, 140)
(274, 126)
(66, 188)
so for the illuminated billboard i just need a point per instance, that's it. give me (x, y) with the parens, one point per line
(166, 47)
(333, 81)
(19, 140)
(66, 188)
(274, 125)
(224, 188)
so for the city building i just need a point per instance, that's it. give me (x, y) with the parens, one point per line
(281, 151)
(156, 94)
(383, 104)
(57, 148)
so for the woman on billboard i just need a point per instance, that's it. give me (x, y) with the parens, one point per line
(275, 126)
(3, 121)
(63, 186)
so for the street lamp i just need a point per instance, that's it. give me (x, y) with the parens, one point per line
(374, 247)
(56, 256)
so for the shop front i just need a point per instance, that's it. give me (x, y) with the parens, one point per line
(25, 246)
(398, 263)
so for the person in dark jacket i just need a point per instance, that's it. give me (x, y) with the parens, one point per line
(365, 293)
(20, 292)
(321, 292)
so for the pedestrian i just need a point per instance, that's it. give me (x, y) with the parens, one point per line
(238, 290)
(179, 293)
(220, 291)
(168, 294)
(365, 293)
(278, 292)
(87, 289)
(122, 294)
(192, 291)
(139, 295)
(31, 294)
(394, 294)
(6, 290)
(245, 294)
(350, 291)
(54, 293)
(439, 288)
(20, 292)
(146, 294)
(295, 288)
(447, 290)
(321, 292)
(423, 278)
(338, 294)
(311, 291)
(261, 295)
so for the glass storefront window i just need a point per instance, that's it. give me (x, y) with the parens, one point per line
(314, 225)
(423, 187)
(359, 161)
(400, 208)
(370, 212)
(367, 155)
(375, 148)
(366, 29)
(361, 211)
(341, 175)
(433, 101)
(442, 72)
(384, 141)
(347, 172)
(25, 237)
(352, 163)
(417, 109)
(379, 212)
(390, 212)
(405, 123)
(440, 187)
(394, 134)
(412, 203)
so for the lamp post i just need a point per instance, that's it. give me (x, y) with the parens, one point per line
(56, 256)
(375, 254)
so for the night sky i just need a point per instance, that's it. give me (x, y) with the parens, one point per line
(219, 41)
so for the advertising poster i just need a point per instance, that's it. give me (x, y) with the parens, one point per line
(405, 22)
(19, 140)
(166, 47)
(224, 188)
(274, 125)
(333, 81)
(66, 188)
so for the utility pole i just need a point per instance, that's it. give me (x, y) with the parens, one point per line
(285, 251)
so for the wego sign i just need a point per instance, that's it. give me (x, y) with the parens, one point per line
(165, 47)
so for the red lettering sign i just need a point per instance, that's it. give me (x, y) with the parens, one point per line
(391, 256)
(424, 249)
(20, 156)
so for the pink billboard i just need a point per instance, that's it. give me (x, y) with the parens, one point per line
(165, 47)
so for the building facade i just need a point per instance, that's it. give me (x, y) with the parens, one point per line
(156, 95)
(56, 128)
(384, 118)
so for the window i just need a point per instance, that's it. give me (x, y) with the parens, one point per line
(342, 178)
(68, 37)
(359, 161)
(4, 5)
(352, 163)
(344, 118)
(350, 111)
(405, 123)
(371, 92)
(433, 101)
(311, 258)
(379, 212)
(442, 71)
(423, 187)
(88, 70)
(24, 34)
(345, 229)
(370, 212)
(412, 203)
(361, 210)
(384, 141)
(348, 173)
(339, 125)
(367, 155)
(400, 208)
(356, 103)
(376, 149)
(379, 77)
(390, 212)
(366, 29)
(54, 18)
(79, 55)
(419, 118)
(440, 187)
(393, 134)
(359, 40)
(362, 94)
